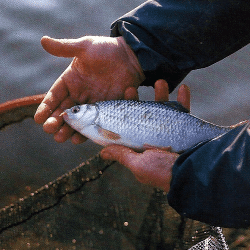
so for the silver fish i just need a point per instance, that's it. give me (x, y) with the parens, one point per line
(141, 124)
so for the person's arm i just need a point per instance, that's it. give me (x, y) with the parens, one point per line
(211, 182)
(171, 38)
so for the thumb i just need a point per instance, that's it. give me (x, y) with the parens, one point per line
(63, 47)
(119, 153)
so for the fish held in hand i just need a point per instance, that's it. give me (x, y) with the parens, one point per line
(141, 124)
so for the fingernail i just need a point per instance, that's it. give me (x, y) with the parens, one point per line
(63, 114)
(184, 87)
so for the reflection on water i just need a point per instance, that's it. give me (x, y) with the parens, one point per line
(29, 157)
(38, 4)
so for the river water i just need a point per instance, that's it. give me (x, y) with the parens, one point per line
(29, 158)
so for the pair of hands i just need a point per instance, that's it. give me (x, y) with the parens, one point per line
(104, 68)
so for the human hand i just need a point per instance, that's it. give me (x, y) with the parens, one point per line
(153, 166)
(103, 68)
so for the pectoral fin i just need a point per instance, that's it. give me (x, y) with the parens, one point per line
(108, 134)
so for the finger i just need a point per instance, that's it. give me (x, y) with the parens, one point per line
(53, 124)
(42, 113)
(63, 47)
(55, 96)
(50, 103)
(161, 91)
(121, 154)
(78, 138)
(55, 121)
(131, 93)
(63, 134)
(184, 96)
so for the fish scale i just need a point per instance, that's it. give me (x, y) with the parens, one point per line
(141, 123)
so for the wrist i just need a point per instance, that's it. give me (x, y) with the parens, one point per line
(133, 61)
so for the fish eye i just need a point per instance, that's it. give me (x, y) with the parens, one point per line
(75, 109)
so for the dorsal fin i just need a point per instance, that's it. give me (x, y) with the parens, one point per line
(176, 105)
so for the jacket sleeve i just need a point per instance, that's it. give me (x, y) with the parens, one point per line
(173, 37)
(211, 182)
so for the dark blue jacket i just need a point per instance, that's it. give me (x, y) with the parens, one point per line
(211, 182)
